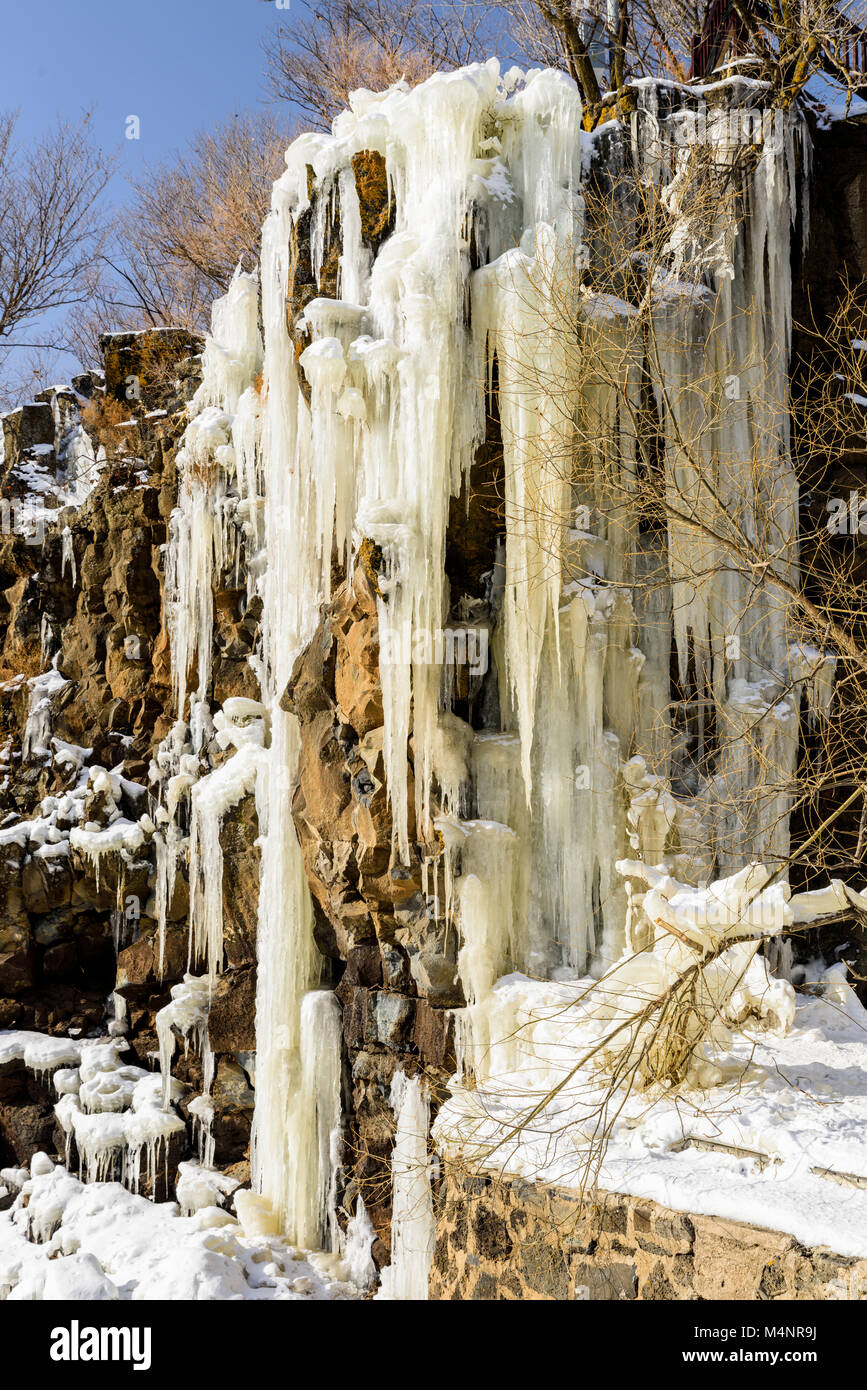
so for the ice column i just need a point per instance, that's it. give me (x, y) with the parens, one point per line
(295, 583)
(412, 1221)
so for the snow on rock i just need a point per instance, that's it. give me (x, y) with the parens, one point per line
(187, 1016)
(40, 1053)
(97, 1241)
(37, 731)
(78, 1277)
(119, 1116)
(199, 1186)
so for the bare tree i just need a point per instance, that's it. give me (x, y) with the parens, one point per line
(190, 222)
(51, 228)
(341, 45)
(606, 47)
(23, 373)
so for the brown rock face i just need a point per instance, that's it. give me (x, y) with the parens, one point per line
(363, 898)
(232, 1017)
(111, 640)
(25, 1130)
(14, 922)
(29, 427)
(240, 883)
(233, 1100)
(17, 970)
(90, 595)
(87, 595)
(146, 366)
(138, 969)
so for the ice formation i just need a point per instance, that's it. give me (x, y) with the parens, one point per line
(212, 797)
(200, 1186)
(524, 818)
(68, 555)
(360, 1237)
(186, 1016)
(412, 1222)
(203, 535)
(112, 1112)
(37, 731)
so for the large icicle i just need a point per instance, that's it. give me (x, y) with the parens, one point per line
(720, 368)
(316, 1171)
(295, 584)
(417, 286)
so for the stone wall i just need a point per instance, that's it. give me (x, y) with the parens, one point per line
(501, 1238)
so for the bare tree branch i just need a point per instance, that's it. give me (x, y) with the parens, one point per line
(51, 221)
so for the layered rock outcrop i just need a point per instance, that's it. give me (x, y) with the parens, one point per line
(84, 701)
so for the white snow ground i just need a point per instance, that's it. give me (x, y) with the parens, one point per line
(798, 1102)
(99, 1241)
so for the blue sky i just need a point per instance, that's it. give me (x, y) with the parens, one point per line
(178, 65)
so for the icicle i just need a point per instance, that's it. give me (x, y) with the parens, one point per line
(412, 1221)
(510, 312)
(320, 1097)
(68, 555)
(212, 798)
(114, 1117)
(200, 544)
(83, 466)
(331, 443)
(187, 1014)
(521, 309)
(360, 1236)
(175, 769)
(434, 419)
(294, 584)
(202, 1110)
(320, 226)
(355, 257)
(734, 618)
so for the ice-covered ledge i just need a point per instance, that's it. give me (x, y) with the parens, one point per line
(777, 1143)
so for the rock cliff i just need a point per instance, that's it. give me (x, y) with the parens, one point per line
(89, 482)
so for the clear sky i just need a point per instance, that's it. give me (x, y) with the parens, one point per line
(178, 65)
